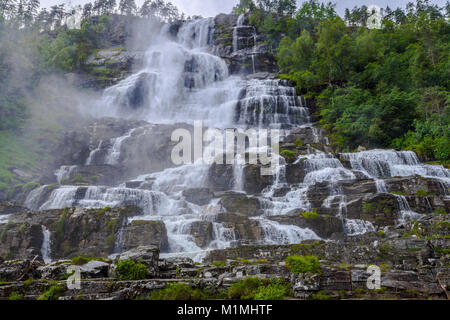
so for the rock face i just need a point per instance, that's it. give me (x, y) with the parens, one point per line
(74, 232)
(141, 233)
(241, 47)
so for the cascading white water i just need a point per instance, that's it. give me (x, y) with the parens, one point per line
(64, 172)
(181, 81)
(46, 246)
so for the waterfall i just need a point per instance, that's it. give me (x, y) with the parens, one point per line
(181, 81)
(276, 233)
(46, 247)
(64, 172)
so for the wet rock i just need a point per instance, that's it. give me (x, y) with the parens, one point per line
(322, 225)
(254, 182)
(219, 177)
(243, 228)
(241, 203)
(143, 232)
(199, 196)
(304, 285)
(94, 269)
(202, 232)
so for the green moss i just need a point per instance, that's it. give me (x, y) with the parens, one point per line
(381, 234)
(219, 263)
(443, 225)
(130, 270)
(298, 143)
(310, 215)
(15, 296)
(288, 154)
(5, 229)
(53, 293)
(321, 296)
(83, 259)
(252, 288)
(439, 211)
(302, 264)
(424, 193)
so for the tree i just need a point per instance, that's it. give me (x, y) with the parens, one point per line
(87, 10)
(244, 6)
(127, 7)
(31, 10)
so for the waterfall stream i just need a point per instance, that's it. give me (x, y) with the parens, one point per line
(182, 82)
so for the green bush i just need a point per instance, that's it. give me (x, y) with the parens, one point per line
(310, 215)
(245, 289)
(15, 296)
(53, 293)
(130, 270)
(288, 154)
(302, 264)
(178, 291)
(275, 291)
(298, 143)
(253, 288)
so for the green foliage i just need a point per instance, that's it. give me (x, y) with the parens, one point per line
(219, 263)
(383, 87)
(310, 215)
(321, 296)
(440, 211)
(252, 288)
(53, 293)
(302, 264)
(424, 193)
(288, 154)
(15, 296)
(130, 270)
(298, 143)
(83, 259)
(178, 291)
(6, 227)
(277, 290)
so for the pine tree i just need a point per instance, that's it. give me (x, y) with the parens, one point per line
(127, 7)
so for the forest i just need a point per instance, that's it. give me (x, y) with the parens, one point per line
(375, 87)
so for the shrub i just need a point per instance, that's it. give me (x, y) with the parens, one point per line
(245, 289)
(253, 288)
(439, 211)
(219, 263)
(15, 296)
(424, 193)
(275, 291)
(302, 264)
(310, 215)
(298, 143)
(320, 296)
(178, 291)
(130, 270)
(53, 293)
(288, 154)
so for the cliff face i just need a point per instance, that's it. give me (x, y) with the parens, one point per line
(113, 192)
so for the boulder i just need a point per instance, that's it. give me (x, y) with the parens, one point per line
(147, 255)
